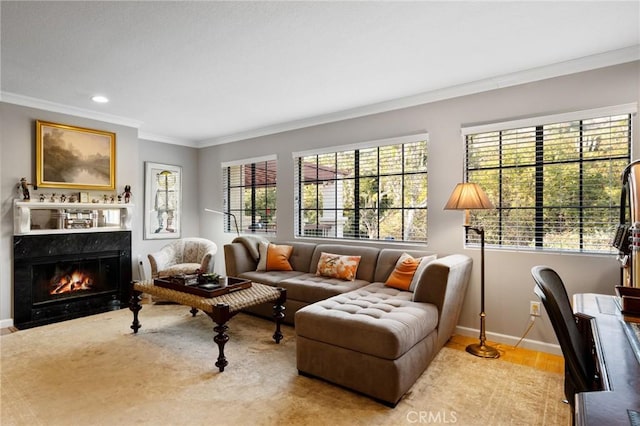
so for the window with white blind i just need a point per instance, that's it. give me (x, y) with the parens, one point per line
(555, 181)
(250, 195)
(375, 191)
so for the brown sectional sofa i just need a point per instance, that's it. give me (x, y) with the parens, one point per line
(361, 334)
(302, 284)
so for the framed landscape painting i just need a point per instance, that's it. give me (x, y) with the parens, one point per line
(162, 201)
(74, 157)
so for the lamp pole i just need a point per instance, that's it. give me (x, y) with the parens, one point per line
(235, 222)
(481, 349)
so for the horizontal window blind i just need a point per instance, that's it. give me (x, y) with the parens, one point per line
(250, 195)
(556, 186)
(376, 192)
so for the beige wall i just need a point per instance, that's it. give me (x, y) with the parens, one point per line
(509, 284)
(17, 159)
(508, 280)
(174, 155)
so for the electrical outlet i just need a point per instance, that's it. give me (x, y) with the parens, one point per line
(534, 308)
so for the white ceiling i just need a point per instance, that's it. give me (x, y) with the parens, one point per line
(202, 73)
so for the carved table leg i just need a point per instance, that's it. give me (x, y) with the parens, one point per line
(134, 306)
(278, 313)
(220, 316)
(221, 338)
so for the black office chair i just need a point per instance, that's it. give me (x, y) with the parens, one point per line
(579, 364)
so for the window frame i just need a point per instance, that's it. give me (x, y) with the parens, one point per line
(228, 187)
(344, 150)
(539, 123)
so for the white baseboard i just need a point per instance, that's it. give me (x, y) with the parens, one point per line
(535, 345)
(6, 323)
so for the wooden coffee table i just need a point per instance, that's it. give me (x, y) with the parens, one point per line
(220, 309)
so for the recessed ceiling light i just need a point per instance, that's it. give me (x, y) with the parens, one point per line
(100, 99)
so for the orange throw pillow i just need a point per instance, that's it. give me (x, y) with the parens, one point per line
(278, 258)
(405, 270)
(337, 266)
(274, 257)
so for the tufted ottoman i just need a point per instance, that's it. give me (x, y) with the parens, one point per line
(375, 340)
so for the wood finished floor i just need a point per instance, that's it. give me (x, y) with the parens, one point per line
(539, 360)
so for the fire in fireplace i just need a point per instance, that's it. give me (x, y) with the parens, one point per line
(77, 278)
(64, 276)
(76, 281)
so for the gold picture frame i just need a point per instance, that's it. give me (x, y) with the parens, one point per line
(74, 157)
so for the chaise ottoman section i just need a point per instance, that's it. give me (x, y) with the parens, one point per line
(374, 340)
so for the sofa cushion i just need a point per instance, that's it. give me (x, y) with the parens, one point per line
(179, 269)
(300, 259)
(274, 257)
(272, 278)
(338, 266)
(376, 320)
(310, 288)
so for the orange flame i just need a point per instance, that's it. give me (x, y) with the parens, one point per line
(75, 281)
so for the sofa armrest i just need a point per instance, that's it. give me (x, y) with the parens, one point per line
(444, 283)
(238, 259)
(160, 261)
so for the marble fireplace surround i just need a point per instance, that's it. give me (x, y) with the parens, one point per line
(32, 250)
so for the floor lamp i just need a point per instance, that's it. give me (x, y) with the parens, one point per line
(235, 222)
(467, 196)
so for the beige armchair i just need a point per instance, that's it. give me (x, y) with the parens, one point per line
(183, 256)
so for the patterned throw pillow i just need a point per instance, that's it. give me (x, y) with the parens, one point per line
(274, 257)
(338, 266)
(407, 271)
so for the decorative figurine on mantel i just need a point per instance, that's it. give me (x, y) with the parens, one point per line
(127, 193)
(24, 185)
(42, 198)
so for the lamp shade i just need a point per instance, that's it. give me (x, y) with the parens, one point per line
(468, 196)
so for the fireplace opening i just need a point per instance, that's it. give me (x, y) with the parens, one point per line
(57, 277)
(78, 278)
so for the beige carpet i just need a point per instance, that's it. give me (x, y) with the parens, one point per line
(94, 371)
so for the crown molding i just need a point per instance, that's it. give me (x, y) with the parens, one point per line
(587, 63)
(26, 101)
(166, 139)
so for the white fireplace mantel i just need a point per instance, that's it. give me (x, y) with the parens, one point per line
(35, 217)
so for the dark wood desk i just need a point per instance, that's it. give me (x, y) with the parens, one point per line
(621, 362)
